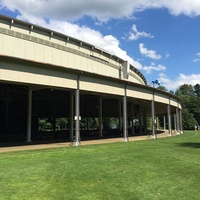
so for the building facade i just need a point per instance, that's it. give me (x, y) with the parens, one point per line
(54, 86)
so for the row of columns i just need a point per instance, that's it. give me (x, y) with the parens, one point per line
(77, 116)
(177, 120)
(177, 116)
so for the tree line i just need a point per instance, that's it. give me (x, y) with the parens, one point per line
(190, 98)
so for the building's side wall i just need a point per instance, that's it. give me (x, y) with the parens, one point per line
(174, 102)
(159, 97)
(139, 93)
(101, 85)
(12, 72)
(62, 55)
(30, 43)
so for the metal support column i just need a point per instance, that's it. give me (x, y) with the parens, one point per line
(100, 117)
(29, 115)
(177, 121)
(169, 120)
(181, 122)
(164, 123)
(132, 118)
(77, 114)
(71, 116)
(175, 124)
(153, 117)
(120, 114)
(140, 119)
(125, 131)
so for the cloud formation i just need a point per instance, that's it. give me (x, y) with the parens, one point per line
(134, 34)
(148, 53)
(197, 59)
(192, 79)
(102, 10)
(149, 69)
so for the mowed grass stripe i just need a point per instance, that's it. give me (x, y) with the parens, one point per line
(166, 168)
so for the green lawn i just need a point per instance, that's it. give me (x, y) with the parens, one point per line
(167, 168)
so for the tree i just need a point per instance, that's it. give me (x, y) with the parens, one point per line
(185, 89)
(197, 89)
(190, 99)
(162, 88)
(194, 107)
(189, 122)
(171, 91)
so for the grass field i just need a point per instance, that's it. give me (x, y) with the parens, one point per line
(167, 168)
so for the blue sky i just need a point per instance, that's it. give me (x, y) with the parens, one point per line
(160, 38)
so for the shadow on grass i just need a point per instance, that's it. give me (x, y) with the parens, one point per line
(190, 144)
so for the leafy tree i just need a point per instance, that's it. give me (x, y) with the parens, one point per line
(163, 88)
(190, 98)
(189, 122)
(197, 89)
(194, 107)
(185, 89)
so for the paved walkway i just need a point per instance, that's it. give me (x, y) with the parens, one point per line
(87, 142)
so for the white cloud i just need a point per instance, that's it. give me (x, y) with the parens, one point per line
(197, 59)
(134, 34)
(198, 54)
(149, 69)
(148, 53)
(102, 10)
(192, 79)
(167, 55)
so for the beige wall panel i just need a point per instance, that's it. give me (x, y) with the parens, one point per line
(115, 73)
(79, 62)
(9, 75)
(7, 45)
(161, 98)
(39, 53)
(173, 102)
(48, 55)
(103, 86)
(84, 63)
(108, 71)
(135, 80)
(64, 59)
(41, 76)
(179, 105)
(56, 57)
(97, 68)
(94, 67)
(71, 61)
(19, 48)
(88, 63)
(30, 51)
(139, 93)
